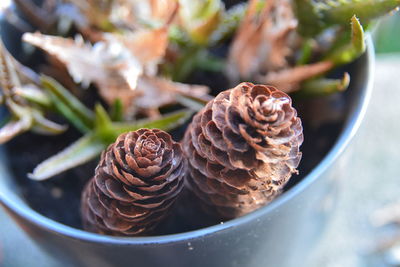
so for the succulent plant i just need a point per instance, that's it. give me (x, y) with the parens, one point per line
(98, 127)
(24, 115)
(135, 184)
(242, 149)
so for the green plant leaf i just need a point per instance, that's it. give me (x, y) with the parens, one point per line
(206, 61)
(93, 143)
(201, 18)
(80, 152)
(117, 111)
(13, 128)
(305, 52)
(24, 116)
(340, 11)
(229, 23)
(349, 52)
(192, 102)
(357, 36)
(102, 125)
(35, 95)
(102, 120)
(167, 122)
(185, 64)
(310, 19)
(45, 126)
(323, 86)
(68, 105)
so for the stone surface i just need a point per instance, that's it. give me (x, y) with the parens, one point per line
(371, 181)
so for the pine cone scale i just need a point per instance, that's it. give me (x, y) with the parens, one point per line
(115, 191)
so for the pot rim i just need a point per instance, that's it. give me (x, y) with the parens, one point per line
(348, 132)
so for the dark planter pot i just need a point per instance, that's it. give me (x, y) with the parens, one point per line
(280, 234)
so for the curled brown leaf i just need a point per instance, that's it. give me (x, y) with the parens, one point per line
(122, 67)
(157, 91)
(288, 80)
(264, 40)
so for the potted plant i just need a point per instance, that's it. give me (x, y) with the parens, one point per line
(141, 72)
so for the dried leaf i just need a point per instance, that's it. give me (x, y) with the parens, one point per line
(161, 10)
(118, 75)
(141, 13)
(119, 15)
(289, 80)
(110, 66)
(56, 69)
(104, 64)
(147, 46)
(264, 41)
(158, 91)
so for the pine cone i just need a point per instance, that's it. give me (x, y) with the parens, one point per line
(242, 149)
(135, 184)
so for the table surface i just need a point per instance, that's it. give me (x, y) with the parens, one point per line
(371, 181)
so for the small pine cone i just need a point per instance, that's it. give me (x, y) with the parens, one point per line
(136, 182)
(242, 149)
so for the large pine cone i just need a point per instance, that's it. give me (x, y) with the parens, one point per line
(136, 182)
(242, 149)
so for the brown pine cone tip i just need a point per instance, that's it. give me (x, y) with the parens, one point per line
(242, 149)
(136, 181)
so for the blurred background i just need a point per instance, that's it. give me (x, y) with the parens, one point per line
(387, 35)
(364, 229)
